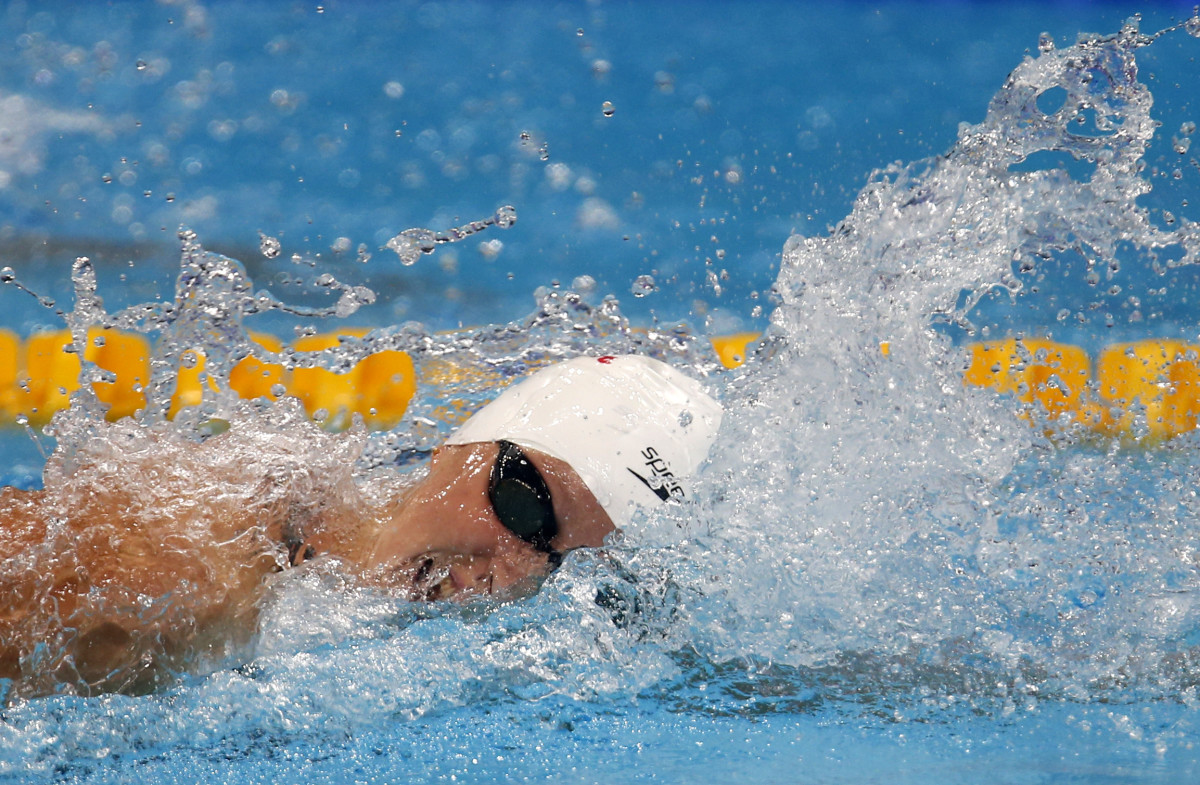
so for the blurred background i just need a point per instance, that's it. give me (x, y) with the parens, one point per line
(665, 151)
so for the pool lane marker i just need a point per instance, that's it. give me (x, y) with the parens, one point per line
(1145, 391)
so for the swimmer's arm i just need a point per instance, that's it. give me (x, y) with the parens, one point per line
(112, 596)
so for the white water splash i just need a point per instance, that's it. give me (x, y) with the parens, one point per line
(873, 534)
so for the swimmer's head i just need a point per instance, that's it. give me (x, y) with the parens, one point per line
(552, 464)
(634, 429)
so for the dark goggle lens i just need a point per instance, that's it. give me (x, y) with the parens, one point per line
(520, 497)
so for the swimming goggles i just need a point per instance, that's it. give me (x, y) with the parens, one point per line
(521, 499)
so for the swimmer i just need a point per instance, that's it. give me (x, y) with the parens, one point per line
(117, 590)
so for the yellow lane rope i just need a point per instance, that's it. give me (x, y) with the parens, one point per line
(1147, 390)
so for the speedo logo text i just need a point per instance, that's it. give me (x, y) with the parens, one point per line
(657, 476)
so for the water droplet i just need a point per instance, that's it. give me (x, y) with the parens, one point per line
(608, 109)
(505, 217)
(685, 419)
(579, 32)
(1192, 25)
(189, 359)
(584, 284)
(411, 244)
(7, 275)
(278, 390)
(142, 65)
(98, 341)
(407, 246)
(364, 255)
(601, 68)
(1045, 43)
(1181, 145)
(1188, 128)
(643, 285)
(106, 178)
(269, 246)
(352, 299)
(170, 198)
(393, 89)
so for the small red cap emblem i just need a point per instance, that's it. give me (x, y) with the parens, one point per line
(606, 359)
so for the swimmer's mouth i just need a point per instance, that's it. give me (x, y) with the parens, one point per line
(429, 578)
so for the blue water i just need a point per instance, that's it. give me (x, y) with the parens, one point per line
(890, 578)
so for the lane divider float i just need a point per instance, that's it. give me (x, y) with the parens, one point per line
(1146, 390)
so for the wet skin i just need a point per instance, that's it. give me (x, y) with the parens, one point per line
(445, 538)
(203, 564)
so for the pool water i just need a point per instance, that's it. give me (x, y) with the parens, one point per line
(888, 576)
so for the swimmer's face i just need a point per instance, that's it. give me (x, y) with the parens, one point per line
(444, 539)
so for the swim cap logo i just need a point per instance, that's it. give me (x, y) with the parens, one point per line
(661, 480)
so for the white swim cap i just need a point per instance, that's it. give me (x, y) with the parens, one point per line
(633, 428)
